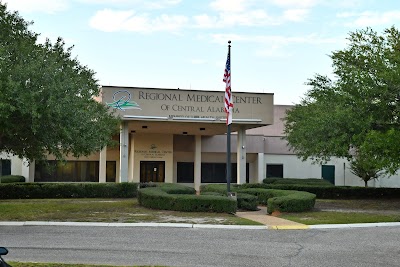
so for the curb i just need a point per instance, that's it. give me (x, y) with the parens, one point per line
(353, 225)
(100, 224)
(289, 227)
(203, 226)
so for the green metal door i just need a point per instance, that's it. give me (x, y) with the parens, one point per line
(328, 173)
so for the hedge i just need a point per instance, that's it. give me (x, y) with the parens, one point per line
(283, 200)
(244, 201)
(181, 198)
(290, 201)
(297, 181)
(12, 179)
(276, 200)
(67, 190)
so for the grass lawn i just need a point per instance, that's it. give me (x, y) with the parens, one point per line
(104, 210)
(329, 211)
(33, 264)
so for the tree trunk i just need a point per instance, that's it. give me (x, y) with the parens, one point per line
(366, 183)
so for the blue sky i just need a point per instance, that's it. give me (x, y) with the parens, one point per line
(276, 44)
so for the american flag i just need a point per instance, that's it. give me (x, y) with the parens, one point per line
(228, 93)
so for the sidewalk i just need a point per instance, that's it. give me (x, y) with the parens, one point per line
(271, 222)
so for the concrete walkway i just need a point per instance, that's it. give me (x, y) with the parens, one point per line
(270, 221)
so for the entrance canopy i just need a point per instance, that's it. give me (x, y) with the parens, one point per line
(188, 112)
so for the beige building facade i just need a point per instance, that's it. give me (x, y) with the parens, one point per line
(179, 136)
(173, 136)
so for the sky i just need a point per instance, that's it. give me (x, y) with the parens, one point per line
(277, 45)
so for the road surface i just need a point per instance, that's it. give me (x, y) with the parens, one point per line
(362, 247)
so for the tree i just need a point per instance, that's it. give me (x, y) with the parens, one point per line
(47, 98)
(359, 109)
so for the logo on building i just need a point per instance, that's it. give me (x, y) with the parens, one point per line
(122, 101)
(153, 146)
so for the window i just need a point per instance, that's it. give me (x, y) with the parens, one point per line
(210, 172)
(185, 172)
(73, 171)
(111, 170)
(274, 170)
(5, 167)
(216, 172)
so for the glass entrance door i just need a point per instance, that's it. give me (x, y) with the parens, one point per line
(152, 171)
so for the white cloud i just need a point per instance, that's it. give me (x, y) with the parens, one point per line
(44, 6)
(162, 3)
(159, 4)
(229, 5)
(295, 14)
(112, 21)
(277, 40)
(375, 18)
(250, 18)
(295, 3)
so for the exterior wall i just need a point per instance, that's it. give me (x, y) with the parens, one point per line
(294, 167)
(153, 147)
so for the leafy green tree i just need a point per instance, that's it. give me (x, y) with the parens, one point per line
(47, 98)
(358, 109)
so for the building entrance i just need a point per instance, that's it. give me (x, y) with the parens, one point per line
(152, 171)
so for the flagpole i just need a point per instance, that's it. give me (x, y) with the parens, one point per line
(228, 142)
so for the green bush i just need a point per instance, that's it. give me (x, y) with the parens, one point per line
(12, 179)
(279, 200)
(341, 192)
(246, 201)
(67, 190)
(176, 189)
(290, 201)
(212, 194)
(309, 181)
(181, 198)
(262, 194)
(282, 200)
(220, 188)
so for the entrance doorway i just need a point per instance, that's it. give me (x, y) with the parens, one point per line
(328, 173)
(152, 171)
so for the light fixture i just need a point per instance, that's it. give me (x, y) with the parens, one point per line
(184, 132)
(192, 119)
(145, 117)
(244, 120)
(202, 129)
(144, 127)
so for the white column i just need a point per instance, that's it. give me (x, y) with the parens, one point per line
(241, 156)
(131, 158)
(28, 170)
(197, 163)
(103, 165)
(123, 152)
(31, 175)
(260, 167)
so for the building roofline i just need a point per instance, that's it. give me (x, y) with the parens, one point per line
(180, 89)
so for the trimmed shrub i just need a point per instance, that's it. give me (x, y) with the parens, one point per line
(262, 194)
(246, 201)
(342, 192)
(220, 188)
(212, 194)
(67, 190)
(12, 179)
(309, 181)
(276, 200)
(176, 189)
(290, 201)
(181, 198)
